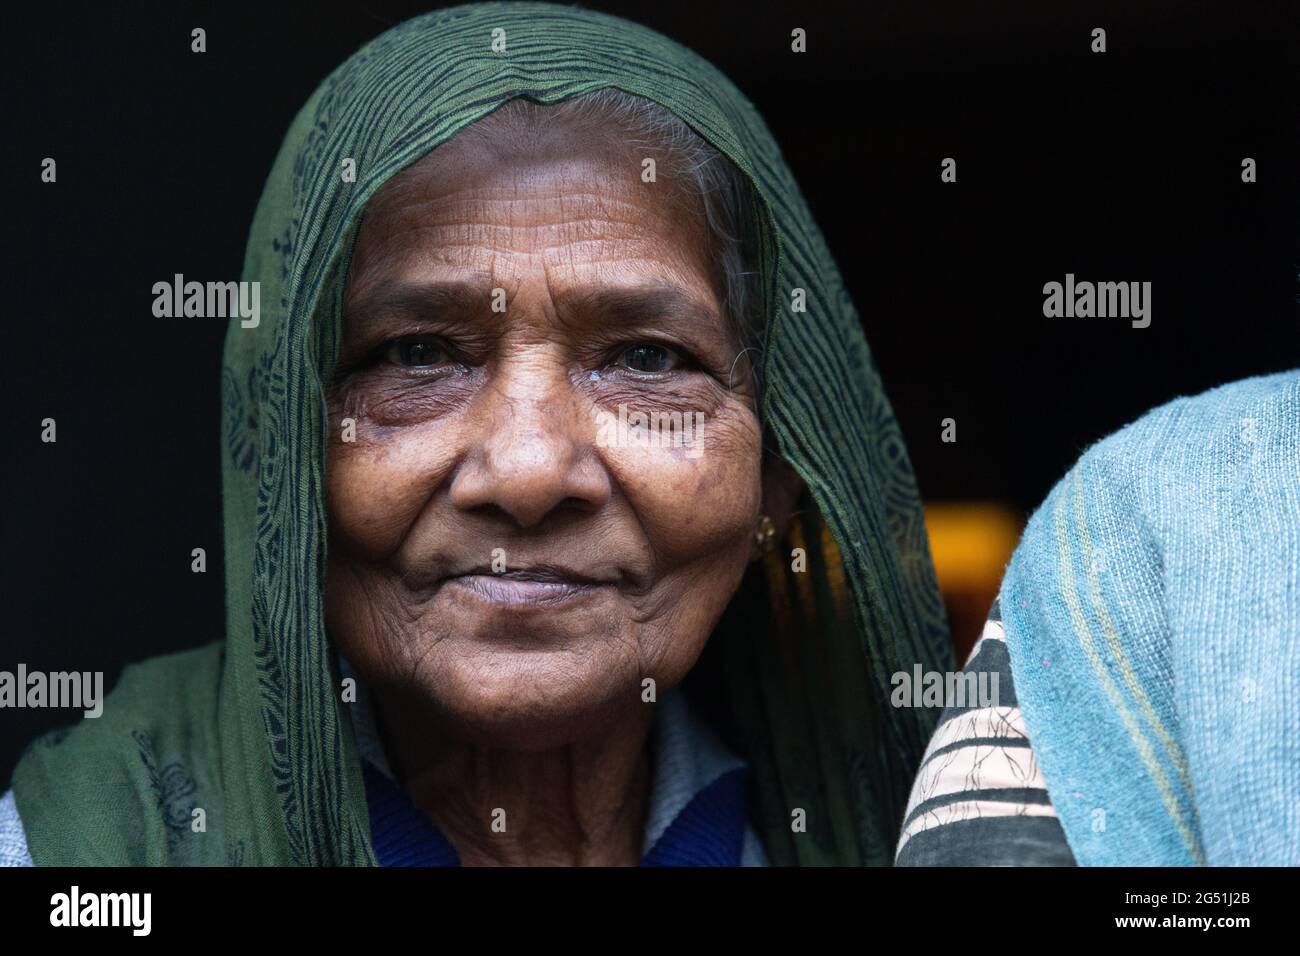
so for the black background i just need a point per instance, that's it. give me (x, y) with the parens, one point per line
(1123, 166)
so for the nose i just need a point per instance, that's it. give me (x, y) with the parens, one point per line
(532, 455)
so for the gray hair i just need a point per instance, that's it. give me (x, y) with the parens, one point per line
(704, 175)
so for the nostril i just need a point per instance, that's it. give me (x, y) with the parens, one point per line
(526, 515)
(524, 472)
(577, 505)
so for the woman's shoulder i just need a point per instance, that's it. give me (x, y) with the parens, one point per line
(157, 687)
(154, 728)
(148, 699)
(1239, 421)
(1166, 470)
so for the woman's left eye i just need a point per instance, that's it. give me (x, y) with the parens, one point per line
(649, 358)
(417, 353)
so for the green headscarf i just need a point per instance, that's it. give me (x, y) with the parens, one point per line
(252, 732)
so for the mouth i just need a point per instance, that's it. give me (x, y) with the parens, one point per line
(527, 587)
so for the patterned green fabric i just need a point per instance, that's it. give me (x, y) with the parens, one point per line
(252, 731)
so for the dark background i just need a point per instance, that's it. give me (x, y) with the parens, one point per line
(1123, 166)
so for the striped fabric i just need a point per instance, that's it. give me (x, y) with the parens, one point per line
(979, 798)
(254, 731)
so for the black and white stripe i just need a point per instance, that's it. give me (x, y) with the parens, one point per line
(979, 798)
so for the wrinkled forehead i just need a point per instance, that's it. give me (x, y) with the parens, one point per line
(524, 144)
(514, 185)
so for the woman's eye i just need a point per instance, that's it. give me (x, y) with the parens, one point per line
(649, 358)
(417, 353)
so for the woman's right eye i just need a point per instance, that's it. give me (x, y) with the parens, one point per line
(649, 358)
(417, 353)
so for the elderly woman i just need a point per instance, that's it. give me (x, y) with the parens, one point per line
(566, 520)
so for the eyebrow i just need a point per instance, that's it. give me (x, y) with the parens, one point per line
(414, 301)
(628, 305)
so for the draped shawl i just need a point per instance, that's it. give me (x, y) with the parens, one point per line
(252, 731)
(1152, 615)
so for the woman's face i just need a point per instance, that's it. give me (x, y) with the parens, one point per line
(499, 554)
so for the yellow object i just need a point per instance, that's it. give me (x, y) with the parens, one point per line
(971, 543)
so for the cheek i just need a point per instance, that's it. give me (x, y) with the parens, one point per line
(698, 516)
(376, 487)
(695, 503)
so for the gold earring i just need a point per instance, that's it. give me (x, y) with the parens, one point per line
(765, 536)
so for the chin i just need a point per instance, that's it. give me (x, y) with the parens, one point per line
(528, 700)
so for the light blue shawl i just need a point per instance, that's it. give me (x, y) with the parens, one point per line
(1152, 613)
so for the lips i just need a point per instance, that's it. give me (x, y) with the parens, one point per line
(539, 586)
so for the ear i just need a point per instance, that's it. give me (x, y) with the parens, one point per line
(782, 489)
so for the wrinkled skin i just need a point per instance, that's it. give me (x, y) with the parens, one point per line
(512, 679)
